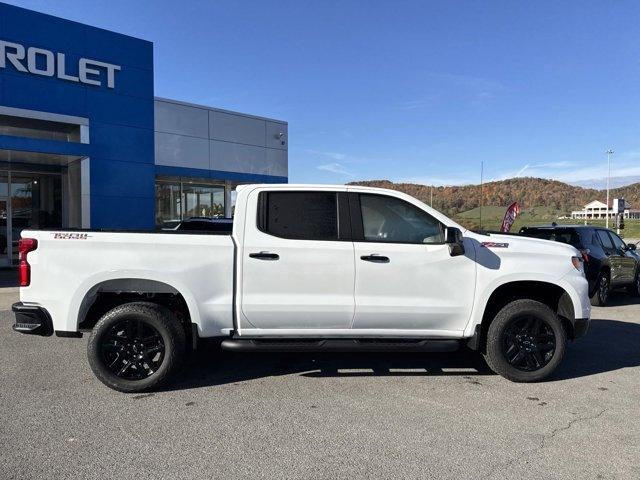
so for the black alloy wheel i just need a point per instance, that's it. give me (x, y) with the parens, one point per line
(528, 343)
(601, 295)
(603, 289)
(634, 289)
(137, 347)
(133, 349)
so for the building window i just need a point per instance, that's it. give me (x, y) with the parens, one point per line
(39, 129)
(203, 201)
(177, 199)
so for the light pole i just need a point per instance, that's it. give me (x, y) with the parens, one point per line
(609, 153)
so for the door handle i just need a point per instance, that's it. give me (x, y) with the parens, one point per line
(375, 258)
(265, 256)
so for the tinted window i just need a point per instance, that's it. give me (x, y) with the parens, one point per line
(301, 215)
(562, 235)
(591, 238)
(206, 226)
(617, 241)
(389, 219)
(605, 240)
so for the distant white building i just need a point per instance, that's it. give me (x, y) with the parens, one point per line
(597, 209)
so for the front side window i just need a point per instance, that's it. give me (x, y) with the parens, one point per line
(301, 215)
(605, 240)
(391, 220)
(617, 241)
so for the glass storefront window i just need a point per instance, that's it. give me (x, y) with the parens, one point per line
(176, 200)
(203, 201)
(168, 205)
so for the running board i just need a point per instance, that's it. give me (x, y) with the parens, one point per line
(340, 345)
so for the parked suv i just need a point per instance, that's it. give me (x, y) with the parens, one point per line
(609, 261)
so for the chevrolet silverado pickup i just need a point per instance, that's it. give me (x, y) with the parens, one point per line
(304, 268)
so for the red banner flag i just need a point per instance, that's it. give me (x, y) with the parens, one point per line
(510, 216)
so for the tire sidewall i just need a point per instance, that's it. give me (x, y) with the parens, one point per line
(495, 337)
(154, 315)
(596, 299)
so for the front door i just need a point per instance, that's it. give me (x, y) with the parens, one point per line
(406, 278)
(5, 237)
(297, 264)
(625, 262)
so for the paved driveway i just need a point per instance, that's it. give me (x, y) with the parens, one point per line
(326, 416)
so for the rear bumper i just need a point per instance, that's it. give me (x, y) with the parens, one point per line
(32, 320)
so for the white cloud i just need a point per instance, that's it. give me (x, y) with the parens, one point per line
(332, 155)
(336, 168)
(440, 181)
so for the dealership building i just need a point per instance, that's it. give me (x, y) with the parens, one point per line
(84, 143)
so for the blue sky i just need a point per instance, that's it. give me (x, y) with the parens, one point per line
(407, 91)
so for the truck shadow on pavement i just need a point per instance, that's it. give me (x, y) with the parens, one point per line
(609, 345)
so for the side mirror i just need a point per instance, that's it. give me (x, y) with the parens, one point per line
(453, 238)
(631, 246)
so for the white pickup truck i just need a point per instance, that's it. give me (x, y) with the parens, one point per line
(306, 267)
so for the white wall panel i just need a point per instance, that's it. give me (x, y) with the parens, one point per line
(237, 128)
(274, 140)
(235, 157)
(181, 119)
(181, 151)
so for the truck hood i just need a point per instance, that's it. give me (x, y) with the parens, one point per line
(517, 244)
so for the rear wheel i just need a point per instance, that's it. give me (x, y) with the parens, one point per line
(136, 347)
(525, 342)
(601, 295)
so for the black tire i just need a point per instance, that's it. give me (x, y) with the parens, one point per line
(603, 287)
(541, 327)
(634, 289)
(126, 337)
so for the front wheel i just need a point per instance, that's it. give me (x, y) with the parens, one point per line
(525, 342)
(136, 347)
(634, 289)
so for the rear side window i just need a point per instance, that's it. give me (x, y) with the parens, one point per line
(299, 215)
(605, 240)
(562, 235)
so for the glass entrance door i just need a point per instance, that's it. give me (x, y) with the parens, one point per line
(4, 232)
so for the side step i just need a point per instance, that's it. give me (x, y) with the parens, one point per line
(340, 345)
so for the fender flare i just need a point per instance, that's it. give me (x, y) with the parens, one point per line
(85, 288)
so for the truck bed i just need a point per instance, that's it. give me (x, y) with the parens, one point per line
(80, 263)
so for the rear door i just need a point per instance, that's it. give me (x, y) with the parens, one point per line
(406, 278)
(297, 261)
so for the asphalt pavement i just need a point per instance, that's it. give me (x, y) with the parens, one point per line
(326, 416)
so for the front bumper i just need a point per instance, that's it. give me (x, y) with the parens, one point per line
(32, 320)
(580, 327)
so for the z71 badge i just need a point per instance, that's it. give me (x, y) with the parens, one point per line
(495, 245)
(71, 236)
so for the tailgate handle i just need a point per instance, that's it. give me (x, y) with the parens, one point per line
(265, 256)
(375, 258)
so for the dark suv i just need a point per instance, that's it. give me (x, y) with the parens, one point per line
(609, 262)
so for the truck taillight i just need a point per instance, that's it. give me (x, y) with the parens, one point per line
(585, 254)
(25, 245)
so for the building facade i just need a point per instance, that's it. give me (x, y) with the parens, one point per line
(84, 143)
(598, 210)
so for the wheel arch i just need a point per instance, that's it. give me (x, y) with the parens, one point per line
(101, 294)
(548, 293)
